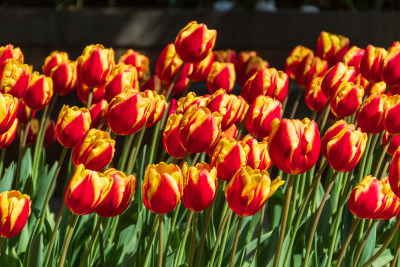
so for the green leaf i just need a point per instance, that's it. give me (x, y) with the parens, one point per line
(16, 260)
(43, 185)
(268, 248)
(23, 240)
(36, 251)
(285, 247)
(26, 167)
(383, 259)
(8, 177)
(369, 246)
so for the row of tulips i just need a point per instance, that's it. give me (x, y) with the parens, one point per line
(216, 156)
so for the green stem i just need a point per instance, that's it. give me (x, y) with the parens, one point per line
(113, 230)
(93, 237)
(183, 242)
(52, 104)
(296, 103)
(260, 227)
(396, 256)
(378, 166)
(219, 235)
(154, 142)
(101, 242)
(317, 216)
(323, 117)
(145, 257)
(193, 240)
(38, 148)
(160, 240)
(302, 188)
(284, 217)
(172, 228)
(195, 159)
(3, 154)
(224, 239)
(68, 239)
(204, 233)
(90, 97)
(239, 227)
(22, 143)
(346, 243)
(362, 244)
(364, 158)
(135, 151)
(124, 156)
(171, 85)
(2, 239)
(384, 246)
(385, 167)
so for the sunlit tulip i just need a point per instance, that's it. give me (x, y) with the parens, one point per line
(202, 69)
(331, 47)
(83, 93)
(14, 77)
(248, 64)
(121, 76)
(54, 59)
(314, 97)
(184, 103)
(225, 56)
(8, 137)
(14, 212)
(226, 105)
(221, 76)
(371, 63)
(370, 114)
(258, 157)
(137, 60)
(353, 57)
(171, 138)
(39, 92)
(8, 111)
(98, 113)
(339, 73)
(391, 120)
(294, 58)
(65, 77)
(346, 100)
(309, 68)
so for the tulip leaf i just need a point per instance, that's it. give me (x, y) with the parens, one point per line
(7, 180)
(369, 246)
(26, 167)
(285, 247)
(43, 185)
(274, 209)
(268, 248)
(15, 258)
(23, 240)
(36, 251)
(384, 258)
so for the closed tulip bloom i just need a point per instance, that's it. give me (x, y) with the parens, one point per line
(248, 63)
(339, 73)
(225, 56)
(280, 80)
(347, 99)
(371, 63)
(8, 51)
(391, 203)
(258, 157)
(194, 42)
(54, 59)
(394, 173)
(49, 134)
(128, 112)
(65, 77)
(159, 105)
(95, 64)
(242, 111)
(184, 103)
(228, 157)
(249, 189)
(83, 92)
(390, 68)
(222, 75)
(72, 124)
(294, 145)
(294, 59)
(226, 105)
(331, 47)
(309, 68)
(98, 113)
(24, 112)
(8, 111)
(343, 146)
(394, 143)
(199, 129)
(14, 77)
(202, 69)
(359, 80)
(178, 86)
(33, 131)
(8, 137)
(122, 76)
(137, 60)
(162, 187)
(86, 190)
(120, 195)
(14, 212)
(314, 97)
(391, 120)
(153, 83)
(171, 138)
(261, 114)
(353, 57)
(228, 134)
(39, 92)
(95, 150)
(200, 186)
(370, 114)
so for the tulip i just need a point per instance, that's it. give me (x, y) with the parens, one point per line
(128, 112)
(137, 60)
(380, 88)
(199, 129)
(258, 157)
(370, 114)
(94, 65)
(200, 186)
(359, 80)
(54, 59)
(392, 90)
(335, 76)
(178, 86)
(331, 47)
(65, 77)
(309, 68)
(294, 59)
(294, 145)
(86, 190)
(14, 212)
(314, 97)
(225, 56)
(249, 189)
(391, 203)
(83, 93)
(194, 42)
(39, 92)
(8, 51)
(8, 137)
(248, 64)
(33, 131)
(171, 139)
(260, 115)
(98, 113)
(226, 105)
(95, 150)
(242, 111)
(202, 69)
(228, 157)
(14, 78)
(347, 99)
(120, 195)
(390, 68)
(122, 76)
(162, 187)
(391, 120)
(353, 57)
(72, 124)
(24, 112)
(393, 145)
(159, 105)
(153, 83)
(221, 76)
(343, 146)
(49, 133)
(228, 134)
(371, 63)
(184, 103)
(8, 111)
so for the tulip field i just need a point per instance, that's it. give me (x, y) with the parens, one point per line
(159, 176)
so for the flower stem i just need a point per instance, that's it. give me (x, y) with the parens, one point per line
(68, 239)
(171, 85)
(224, 239)
(184, 238)
(296, 103)
(193, 240)
(378, 166)
(396, 256)
(160, 240)
(145, 257)
(347, 242)
(2, 239)
(239, 227)
(3, 154)
(90, 97)
(135, 151)
(38, 148)
(171, 229)
(93, 237)
(323, 117)
(219, 235)
(154, 142)
(385, 167)
(362, 244)
(124, 156)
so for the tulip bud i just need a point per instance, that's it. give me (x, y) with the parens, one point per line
(347, 99)
(95, 64)
(159, 105)
(72, 124)
(8, 137)
(371, 63)
(64, 77)
(222, 75)
(294, 59)
(33, 131)
(49, 134)
(8, 111)
(353, 57)
(298, 139)
(314, 97)
(372, 110)
(260, 115)
(8, 51)
(162, 187)
(54, 59)
(24, 112)
(14, 212)
(137, 60)
(249, 189)
(331, 47)
(309, 68)
(226, 105)
(98, 113)
(14, 77)
(178, 86)
(184, 103)
(336, 75)
(391, 203)
(86, 190)
(391, 120)
(154, 84)
(128, 112)
(120, 195)
(343, 146)
(199, 129)
(39, 92)
(247, 65)
(200, 186)
(194, 42)
(122, 76)
(83, 93)
(225, 56)
(171, 138)
(390, 68)
(393, 145)
(202, 69)
(258, 157)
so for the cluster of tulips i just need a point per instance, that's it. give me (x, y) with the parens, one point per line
(216, 157)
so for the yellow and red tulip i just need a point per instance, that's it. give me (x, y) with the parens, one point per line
(65, 77)
(24, 112)
(202, 69)
(121, 76)
(159, 106)
(8, 111)
(391, 120)
(339, 73)
(39, 92)
(49, 133)
(380, 88)
(83, 92)
(346, 100)
(391, 203)
(225, 56)
(294, 59)
(309, 68)
(98, 113)
(8, 51)
(14, 77)
(353, 57)
(153, 83)
(8, 137)
(137, 60)
(54, 59)
(184, 103)
(258, 157)
(331, 47)
(370, 64)
(171, 138)
(393, 145)
(248, 64)
(178, 86)
(221, 76)
(226, 105)
(370, 114)
(242, 111)
(14, 212)
(314, 97)
(390, 68)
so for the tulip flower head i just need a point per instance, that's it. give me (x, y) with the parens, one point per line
(8, 137)
(314, 97)
(372, 110)
(39, 92)
(54, 59)
(98, 113)
(159, 106)
(258, 157)
(331, 47)
(8, 51)
(225, 56)
(335, 76)
(137, 60)
(394, 143)
(370, 64)
(294, 59)
(390, 68)
(64, 77)
(226, 105)
(391, 120)
(394, 173)
(83, 93)
(346, 100)
(121, 76)
(248, 64)
(202, 69)
(353, 57)
(8, 111)
(14, 77)
(184, 103)
(221, 75)
(171, 138)
(309, 68)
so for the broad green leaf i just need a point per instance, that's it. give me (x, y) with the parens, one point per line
(43, 185)
(268, 248)
(285, 247)
(16, 260)
(36, 251)
(23, 240)
(8, 177)
(383, 259)
(26, 167)
(369, 246)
